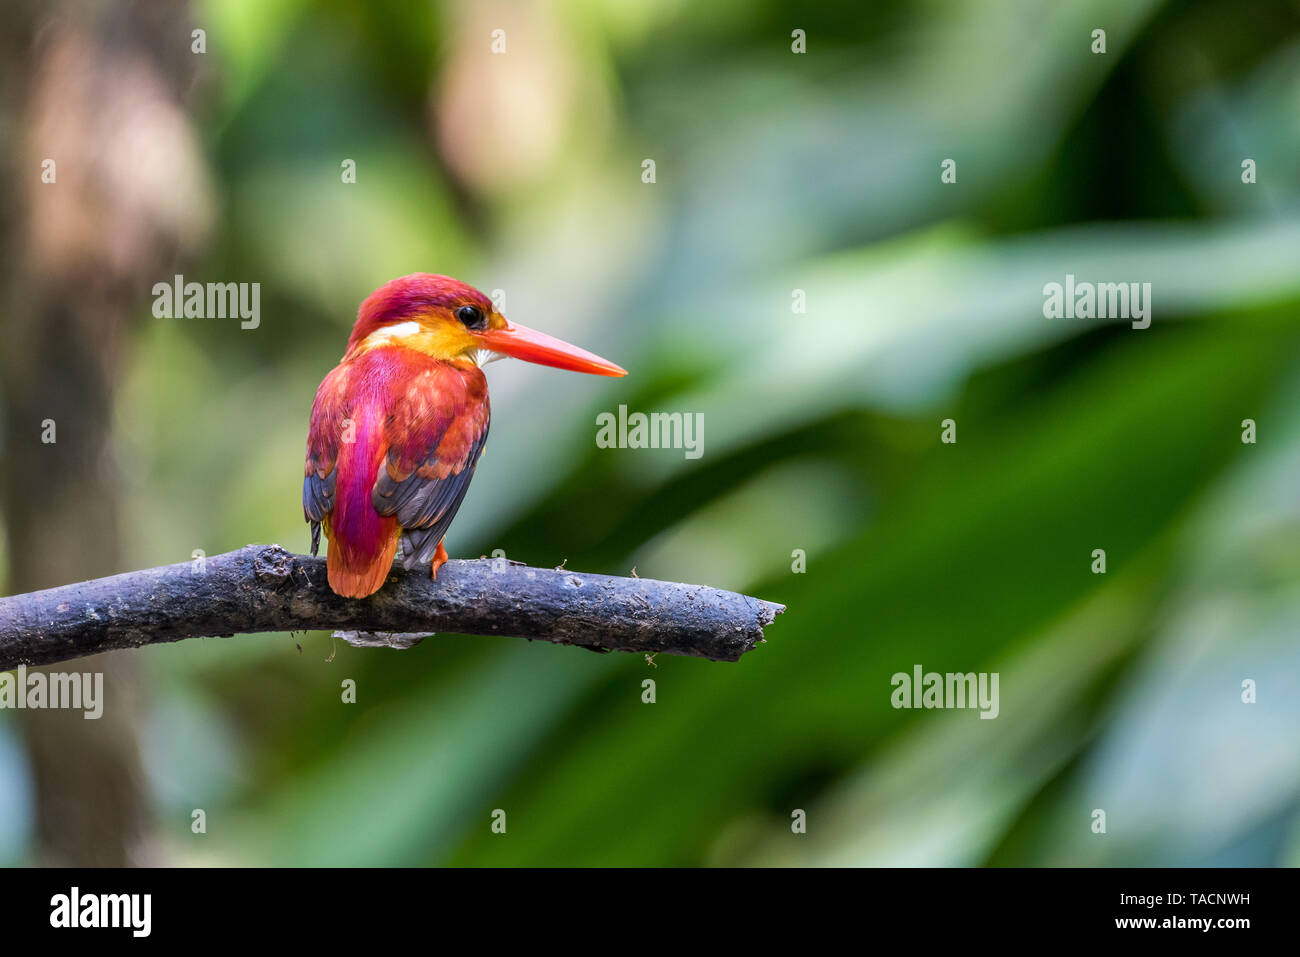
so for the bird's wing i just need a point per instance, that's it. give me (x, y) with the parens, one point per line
(320, 474)
(434, 440)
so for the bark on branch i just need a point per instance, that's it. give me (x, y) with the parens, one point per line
(265, 588)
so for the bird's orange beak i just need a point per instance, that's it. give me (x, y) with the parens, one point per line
(530, 345)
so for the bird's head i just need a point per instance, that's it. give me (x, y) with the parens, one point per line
(447, 319)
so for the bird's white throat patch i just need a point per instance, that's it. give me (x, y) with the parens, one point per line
(483, 356)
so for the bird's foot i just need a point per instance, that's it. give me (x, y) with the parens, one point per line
(439, 558)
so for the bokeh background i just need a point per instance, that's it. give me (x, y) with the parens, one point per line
(775, 172)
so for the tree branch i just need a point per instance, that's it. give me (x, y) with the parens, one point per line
(265, 588)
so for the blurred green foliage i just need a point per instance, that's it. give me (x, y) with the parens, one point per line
(775, 172)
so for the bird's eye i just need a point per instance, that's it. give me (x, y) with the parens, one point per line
(471, 316)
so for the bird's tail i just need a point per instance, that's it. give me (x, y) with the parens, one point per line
(355, 575)
(362, 542)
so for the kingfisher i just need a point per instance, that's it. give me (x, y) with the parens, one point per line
(398, 425)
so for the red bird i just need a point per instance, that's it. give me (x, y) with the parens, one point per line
(397, 427)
